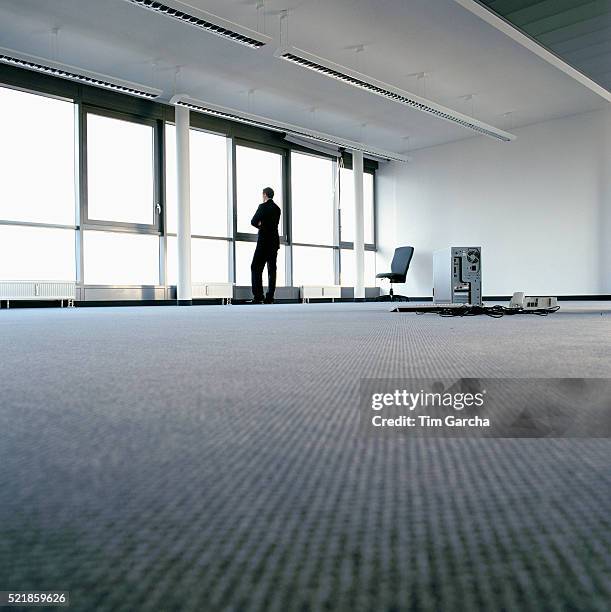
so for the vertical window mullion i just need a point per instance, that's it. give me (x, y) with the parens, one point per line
(80, 138)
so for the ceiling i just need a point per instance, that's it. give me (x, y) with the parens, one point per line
(578, 31)
(468, 65)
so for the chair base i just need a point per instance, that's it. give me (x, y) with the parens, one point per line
(391, 297)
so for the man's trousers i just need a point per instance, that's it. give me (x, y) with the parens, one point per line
(265, 255)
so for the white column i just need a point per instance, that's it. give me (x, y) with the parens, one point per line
(183, 161)
(359, 225)
(605, 271)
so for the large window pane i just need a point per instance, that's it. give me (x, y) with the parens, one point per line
(120, 258)
(208, 171)
(120, 170)
(255, 170)
(348, 268)
(312, 199)
(36, 158)
(313, 266)
(209, 261)
(347, 206)
(37, 253)
(244, 254)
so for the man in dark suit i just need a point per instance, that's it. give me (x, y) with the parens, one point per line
(266, 220)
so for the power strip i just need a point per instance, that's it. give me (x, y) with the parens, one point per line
(519, 300)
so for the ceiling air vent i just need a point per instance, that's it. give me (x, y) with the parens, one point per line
(356, 79)
(205, 21)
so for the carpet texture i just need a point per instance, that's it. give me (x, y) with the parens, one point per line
(209, 458)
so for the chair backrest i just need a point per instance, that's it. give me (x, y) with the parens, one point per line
(401, 260)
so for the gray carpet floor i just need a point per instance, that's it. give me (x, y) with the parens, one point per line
(209, 458)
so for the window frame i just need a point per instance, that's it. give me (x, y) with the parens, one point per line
(161, 257)
(230, 251)
(335, 246)
(349, 245)
(158, 204)
(335, 164)
(286, 197)
(63, 98)
(369, 246)
(230, 190)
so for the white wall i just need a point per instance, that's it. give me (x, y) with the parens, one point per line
(540, 208)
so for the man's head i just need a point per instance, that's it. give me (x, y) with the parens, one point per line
(268, 194)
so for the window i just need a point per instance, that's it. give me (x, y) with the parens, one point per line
(120, 170)
(313, 266)
(209, 213)
(312, 199)
(244, 252)
(348, 268)
(255, 170)
(121, 180)
(36, 159)
(209, 260)
(37, 253)
(347, 206)
(121, 258)
(121, 190)
(37, 182)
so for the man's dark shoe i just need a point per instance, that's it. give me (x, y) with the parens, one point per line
(255, 302)
(269, 300)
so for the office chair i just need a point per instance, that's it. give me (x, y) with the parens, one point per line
(398, 268)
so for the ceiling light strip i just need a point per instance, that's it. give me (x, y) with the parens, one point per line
(286, 128)
(71, 73)
(356, 79)
(205, 21)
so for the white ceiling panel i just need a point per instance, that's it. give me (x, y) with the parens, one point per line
(459, 54)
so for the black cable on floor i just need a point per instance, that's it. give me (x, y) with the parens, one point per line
(496, 312)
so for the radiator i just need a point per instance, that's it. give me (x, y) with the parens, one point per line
(309, 292)
(203, 291)
(37, 290)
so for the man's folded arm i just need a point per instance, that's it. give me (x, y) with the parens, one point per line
(256, 220)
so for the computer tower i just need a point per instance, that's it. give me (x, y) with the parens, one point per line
(457, 275)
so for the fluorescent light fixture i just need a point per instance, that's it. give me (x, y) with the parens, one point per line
(72, 73)
(357, 79)
(286, 128)
(205, 21)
